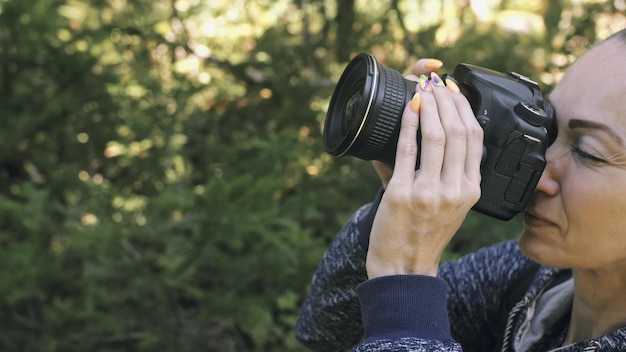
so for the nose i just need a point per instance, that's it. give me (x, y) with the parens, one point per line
(550, 178)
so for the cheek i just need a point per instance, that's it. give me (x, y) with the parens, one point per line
(593, 204)
(595, 237)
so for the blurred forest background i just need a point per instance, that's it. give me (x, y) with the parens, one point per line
(163, 183)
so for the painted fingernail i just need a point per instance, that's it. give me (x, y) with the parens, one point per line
(425, 83)
(452, 86)
(416, 102)
(436, 80)
(433, 64)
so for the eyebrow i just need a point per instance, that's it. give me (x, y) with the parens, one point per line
(576, 123)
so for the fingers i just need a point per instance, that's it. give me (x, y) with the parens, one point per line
(431, 158)
(456, 134)
(423, 67)
(475, 136)
(463, 149)
(451, 138)
(407, 150)
(433, 142)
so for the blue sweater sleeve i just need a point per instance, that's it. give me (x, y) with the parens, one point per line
(400, 306)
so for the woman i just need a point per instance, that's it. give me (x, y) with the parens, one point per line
(380, 282)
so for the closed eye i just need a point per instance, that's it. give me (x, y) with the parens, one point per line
(575, 148)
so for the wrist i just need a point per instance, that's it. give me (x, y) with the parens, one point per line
(379, 267)
(378, 273)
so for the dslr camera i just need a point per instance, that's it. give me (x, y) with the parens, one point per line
(363, 120)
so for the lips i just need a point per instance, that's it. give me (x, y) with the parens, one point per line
(532, 218)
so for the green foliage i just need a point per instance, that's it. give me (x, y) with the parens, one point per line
(163, 184)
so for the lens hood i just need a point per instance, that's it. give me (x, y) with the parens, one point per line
(363, 118)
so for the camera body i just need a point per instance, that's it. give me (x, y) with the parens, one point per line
(516, 121)
(364, 116)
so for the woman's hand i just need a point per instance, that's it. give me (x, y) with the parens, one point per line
(421, 67)
(422, 209)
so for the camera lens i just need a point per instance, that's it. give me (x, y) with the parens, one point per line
(363, 119)
(351, 111)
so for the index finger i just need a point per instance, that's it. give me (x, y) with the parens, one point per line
(407, 150)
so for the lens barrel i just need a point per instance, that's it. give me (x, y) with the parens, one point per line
(363, 118)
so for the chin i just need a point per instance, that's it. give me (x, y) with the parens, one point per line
(538, 249)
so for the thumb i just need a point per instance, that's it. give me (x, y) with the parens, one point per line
(423, 67)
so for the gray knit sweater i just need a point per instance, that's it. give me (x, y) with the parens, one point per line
(464, 309)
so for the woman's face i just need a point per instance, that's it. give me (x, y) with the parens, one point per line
(577, 215)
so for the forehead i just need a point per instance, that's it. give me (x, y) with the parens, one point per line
(595, 85)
